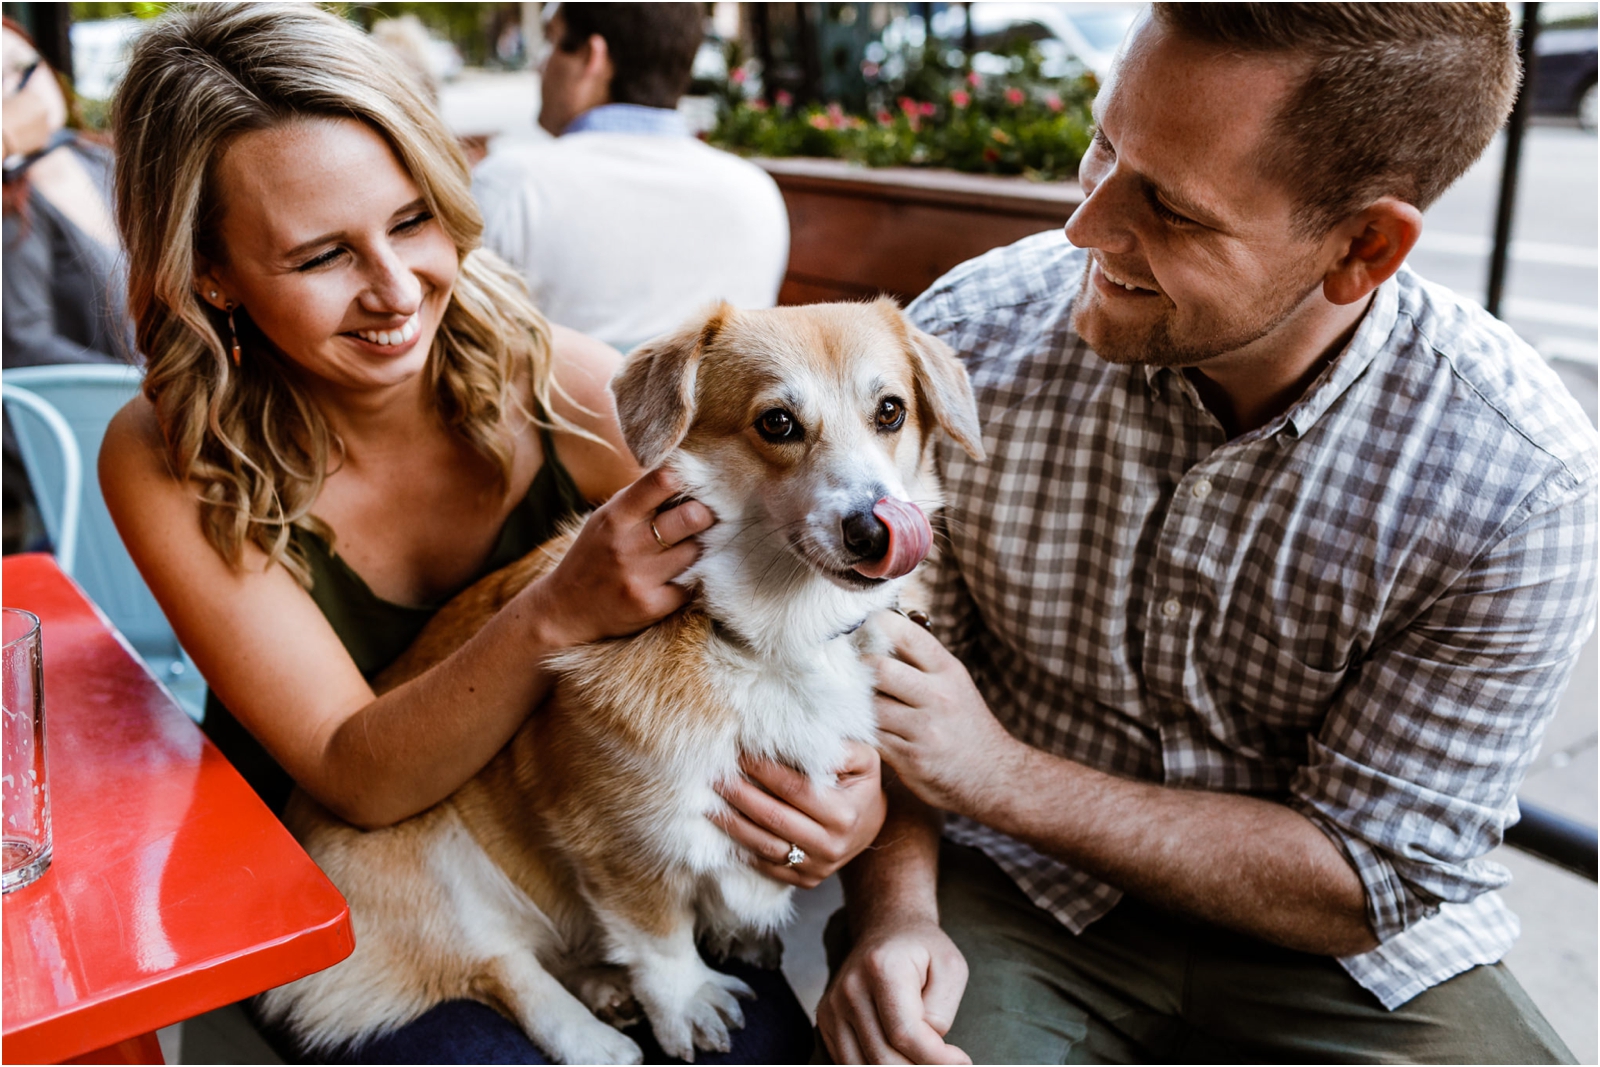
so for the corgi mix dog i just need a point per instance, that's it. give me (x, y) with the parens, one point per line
(573, 876)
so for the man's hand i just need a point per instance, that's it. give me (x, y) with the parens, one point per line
(935, 729)
(895, 997)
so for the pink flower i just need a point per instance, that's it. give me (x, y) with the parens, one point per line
(974, 79)
(960, 97)
(1053, 102)
(926, 109)
(758, 105)
(869, 69)
(884, 118)
(908, 105)
(819, 122)
(738, 76)
(784, 98)
(1015, 97)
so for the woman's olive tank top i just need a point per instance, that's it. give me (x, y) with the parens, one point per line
(376, 631)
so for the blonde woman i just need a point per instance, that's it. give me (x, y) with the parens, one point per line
(350, 414)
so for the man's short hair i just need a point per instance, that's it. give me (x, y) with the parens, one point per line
(652, 46)
(1399, 99)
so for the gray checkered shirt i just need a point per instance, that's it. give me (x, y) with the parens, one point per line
(1367, 608)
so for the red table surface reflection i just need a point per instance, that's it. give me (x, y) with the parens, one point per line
(173, 890)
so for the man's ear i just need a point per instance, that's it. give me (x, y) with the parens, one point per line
(942, 382)
(1371, 245)
(655, 387)
(597, 65)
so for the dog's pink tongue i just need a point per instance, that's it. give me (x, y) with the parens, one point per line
(910, 537)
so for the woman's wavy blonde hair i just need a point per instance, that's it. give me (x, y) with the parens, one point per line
(248, 436)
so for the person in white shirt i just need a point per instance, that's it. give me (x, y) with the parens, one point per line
(626, 224)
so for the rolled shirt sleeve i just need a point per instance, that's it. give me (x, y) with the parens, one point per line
(1414, 773)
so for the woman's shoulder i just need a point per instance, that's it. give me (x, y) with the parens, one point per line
(134, 444)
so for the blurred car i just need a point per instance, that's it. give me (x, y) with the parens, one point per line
(1564, 73)
(100, 54)
(1087, 34)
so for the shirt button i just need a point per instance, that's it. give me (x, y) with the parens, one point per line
(1171, 608)
(1201, 489)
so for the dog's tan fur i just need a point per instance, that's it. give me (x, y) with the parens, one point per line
(555, 832)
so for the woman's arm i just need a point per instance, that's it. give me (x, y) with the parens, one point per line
(273, 659)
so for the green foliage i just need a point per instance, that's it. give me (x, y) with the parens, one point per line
(469, 26)
(93, 12)
(934, 115)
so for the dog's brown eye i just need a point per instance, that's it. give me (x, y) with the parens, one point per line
(779, 427)
(891, 414)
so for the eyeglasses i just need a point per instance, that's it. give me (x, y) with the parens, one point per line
(22, 78)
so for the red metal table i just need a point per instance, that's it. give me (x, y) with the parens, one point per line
(173, 889)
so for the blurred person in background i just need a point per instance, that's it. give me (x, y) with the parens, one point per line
(65, 300)
(62, 295)
(626, 223)
(406, 39)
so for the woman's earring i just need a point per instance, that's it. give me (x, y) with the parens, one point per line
(233, 335)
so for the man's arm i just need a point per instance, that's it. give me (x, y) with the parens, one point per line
(1409, 780)
(1248, 864)
(895, 996)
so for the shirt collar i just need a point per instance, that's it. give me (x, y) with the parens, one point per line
(1369, 339)
(629, 118)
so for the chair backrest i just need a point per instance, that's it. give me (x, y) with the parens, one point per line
(87, 396)
(59, 456)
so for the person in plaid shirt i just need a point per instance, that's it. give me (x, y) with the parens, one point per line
(1250, 622)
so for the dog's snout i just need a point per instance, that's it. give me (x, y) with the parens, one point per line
(865, 535)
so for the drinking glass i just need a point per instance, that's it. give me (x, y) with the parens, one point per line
(25, 802)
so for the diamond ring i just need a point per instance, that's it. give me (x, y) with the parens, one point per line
(796, 856)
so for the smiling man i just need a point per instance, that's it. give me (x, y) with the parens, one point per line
(1251, 622)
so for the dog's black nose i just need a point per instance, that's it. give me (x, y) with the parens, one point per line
(865, 535)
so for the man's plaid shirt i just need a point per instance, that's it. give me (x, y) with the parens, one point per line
(1367, 608)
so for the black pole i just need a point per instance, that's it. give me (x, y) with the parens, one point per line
(1556, 838)
(761, 30)
(969, 42)
(1518, 122)
(50, 28)
(810, 57)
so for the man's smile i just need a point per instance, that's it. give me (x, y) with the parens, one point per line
(1108, 282)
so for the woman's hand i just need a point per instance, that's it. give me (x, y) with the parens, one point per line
(774, 807)
(617, 577)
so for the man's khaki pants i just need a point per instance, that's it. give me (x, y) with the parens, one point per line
(1142, 986)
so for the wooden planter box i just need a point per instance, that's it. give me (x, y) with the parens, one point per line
(855, 231)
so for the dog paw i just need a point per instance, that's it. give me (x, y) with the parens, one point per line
(594, 1043)
(764, 950)
(706, 1021)
(607, 992)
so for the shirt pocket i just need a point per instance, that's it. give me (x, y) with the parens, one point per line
(1264, 686)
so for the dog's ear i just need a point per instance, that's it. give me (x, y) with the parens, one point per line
(655, 387)
(942, 380)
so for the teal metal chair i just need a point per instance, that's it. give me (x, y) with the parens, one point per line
(58, 415)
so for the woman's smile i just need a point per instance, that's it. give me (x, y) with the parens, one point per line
(392, 341)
